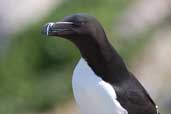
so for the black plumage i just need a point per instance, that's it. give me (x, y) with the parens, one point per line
(89, 36)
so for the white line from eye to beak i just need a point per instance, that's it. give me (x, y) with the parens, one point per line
(48, 27)
(64, 23)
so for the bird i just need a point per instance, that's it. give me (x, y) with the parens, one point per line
(101, 81)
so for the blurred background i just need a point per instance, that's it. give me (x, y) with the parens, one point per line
(36, 72)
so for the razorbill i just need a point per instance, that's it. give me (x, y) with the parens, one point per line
(101, 81)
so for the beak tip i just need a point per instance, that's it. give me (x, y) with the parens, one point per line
(46, 28)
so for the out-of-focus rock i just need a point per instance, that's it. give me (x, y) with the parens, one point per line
(142, 15)
(153, 67)
(16, 14)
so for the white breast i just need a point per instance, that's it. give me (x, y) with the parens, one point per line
(92, 94)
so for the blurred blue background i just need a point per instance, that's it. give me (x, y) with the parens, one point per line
(36, 72)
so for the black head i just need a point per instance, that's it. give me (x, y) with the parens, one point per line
(88, 35)
(74, 27)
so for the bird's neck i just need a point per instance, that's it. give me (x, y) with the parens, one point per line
(102, 58)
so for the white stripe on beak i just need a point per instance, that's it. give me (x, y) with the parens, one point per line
(64, 23)
(51, 24)
(48, 27)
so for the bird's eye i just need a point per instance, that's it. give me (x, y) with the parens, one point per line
(78, 24)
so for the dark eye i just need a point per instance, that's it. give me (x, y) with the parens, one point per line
(78, 24)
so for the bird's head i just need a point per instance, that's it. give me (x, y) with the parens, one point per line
(75, 27)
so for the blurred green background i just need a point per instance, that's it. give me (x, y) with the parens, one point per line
(36, 72)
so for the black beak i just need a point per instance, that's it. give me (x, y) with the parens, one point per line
(57, 29)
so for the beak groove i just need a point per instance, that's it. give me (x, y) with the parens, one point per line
(50, 27)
